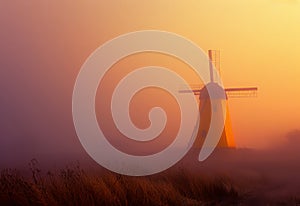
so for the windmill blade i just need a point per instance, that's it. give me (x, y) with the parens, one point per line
(241, 92)
(195, 88)
(214, 61)
(230, 92)
(192, 86)
(195, 91)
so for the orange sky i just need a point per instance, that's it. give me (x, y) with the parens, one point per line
(259, 42)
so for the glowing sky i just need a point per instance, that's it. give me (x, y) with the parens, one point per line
(43, 44)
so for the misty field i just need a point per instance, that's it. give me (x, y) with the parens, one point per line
(74, 186)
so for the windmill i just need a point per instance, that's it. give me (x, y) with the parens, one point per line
(227, 139)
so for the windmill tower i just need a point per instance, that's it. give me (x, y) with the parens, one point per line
(227, 138)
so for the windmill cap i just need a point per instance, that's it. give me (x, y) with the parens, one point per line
(215, 92)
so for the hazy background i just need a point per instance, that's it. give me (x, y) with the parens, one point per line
(43, 45)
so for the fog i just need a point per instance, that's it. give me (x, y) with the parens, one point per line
(41, 54)
(271, 173)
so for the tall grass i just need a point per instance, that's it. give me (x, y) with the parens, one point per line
(74, 186)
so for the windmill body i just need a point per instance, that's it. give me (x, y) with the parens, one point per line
(206, 110)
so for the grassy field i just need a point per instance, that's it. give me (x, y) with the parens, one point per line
(74, 186)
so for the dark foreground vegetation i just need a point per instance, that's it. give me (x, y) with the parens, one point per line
(74, 186)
